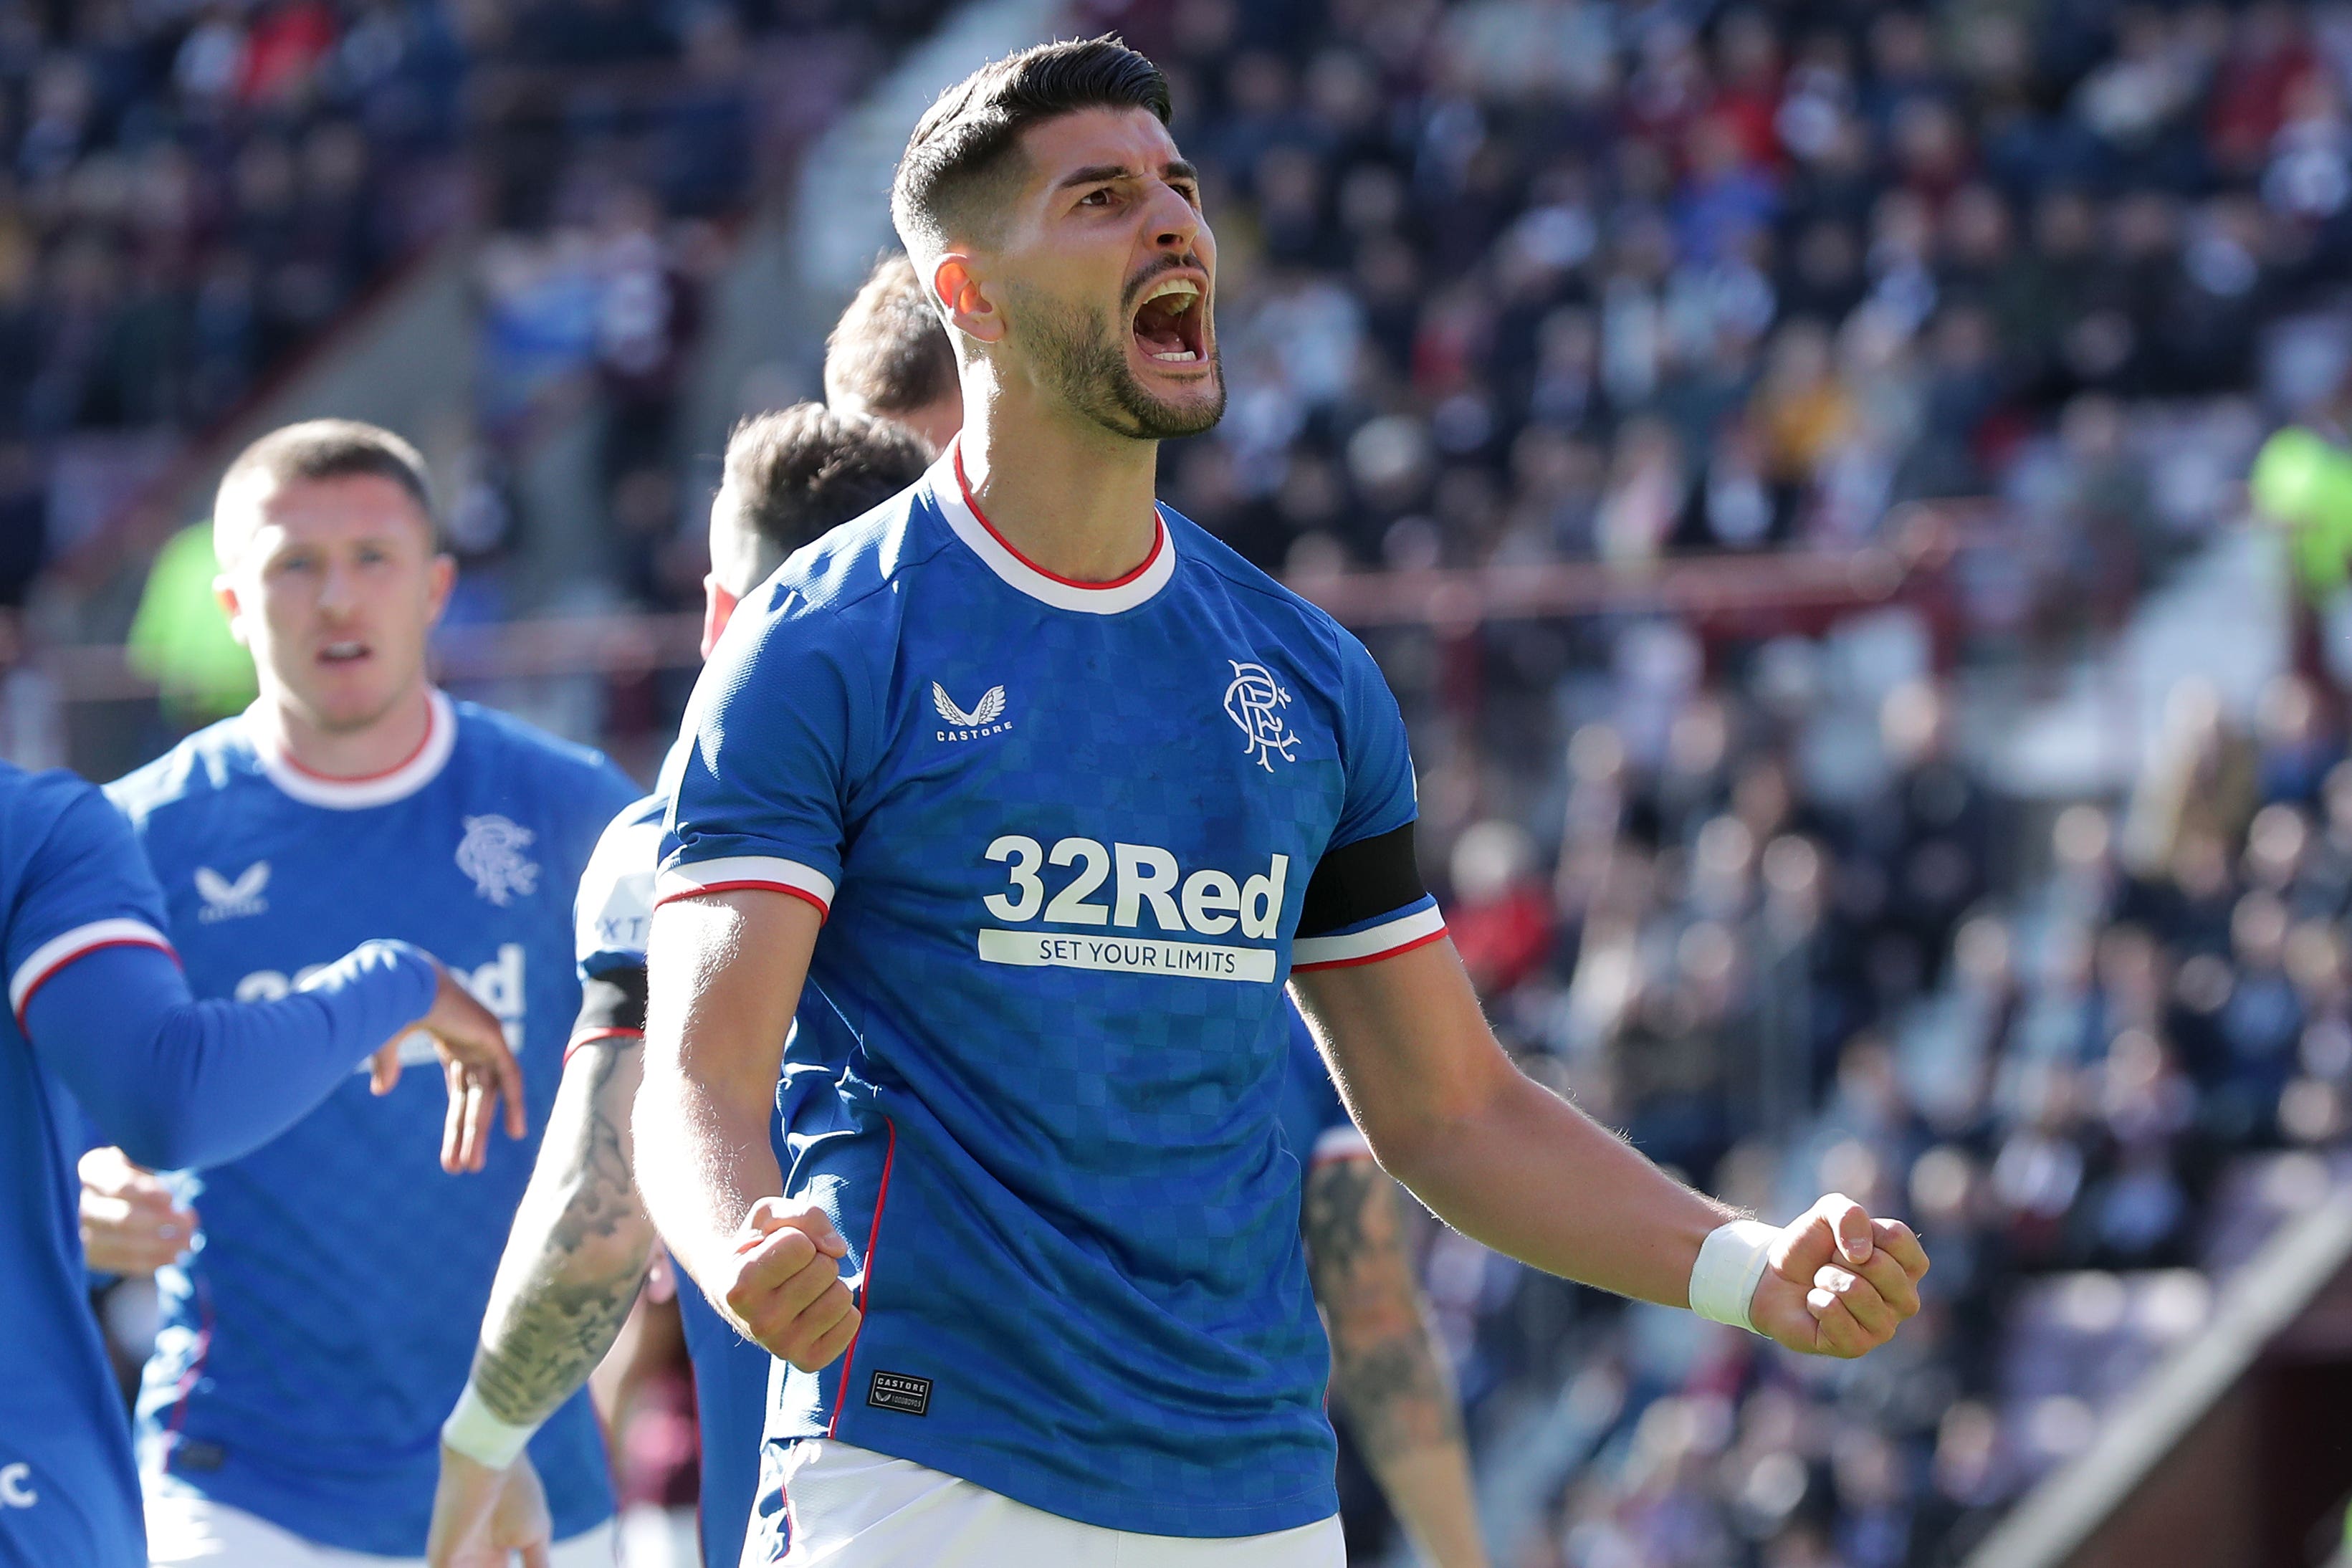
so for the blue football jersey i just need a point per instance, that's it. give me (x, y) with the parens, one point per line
(730, 1375)
(1065, 837)
(321, 1331)
(71, 882)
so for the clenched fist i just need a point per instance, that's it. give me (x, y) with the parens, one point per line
(782, 1286)
(1838, 1282)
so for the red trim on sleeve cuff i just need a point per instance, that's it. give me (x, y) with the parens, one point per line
(1371, 957)
(823, 909)
(45, 975)
(589, 1036)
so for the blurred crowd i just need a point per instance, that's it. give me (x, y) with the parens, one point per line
(191, 191)
(1787, 955)
(1518, 280)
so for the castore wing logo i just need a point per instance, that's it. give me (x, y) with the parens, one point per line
(986, 718)
(227, 901)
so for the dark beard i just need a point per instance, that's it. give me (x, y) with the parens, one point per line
(1081, 359)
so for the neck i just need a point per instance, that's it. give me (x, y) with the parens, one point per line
(1072, 497)
(377, 747)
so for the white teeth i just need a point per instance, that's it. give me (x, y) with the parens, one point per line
(1184, 289)
(1182, 357)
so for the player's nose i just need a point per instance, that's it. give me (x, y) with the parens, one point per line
(336, 590)
(1175, 223)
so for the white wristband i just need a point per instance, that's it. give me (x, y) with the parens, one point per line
(1731, 1260)
(472, 1430)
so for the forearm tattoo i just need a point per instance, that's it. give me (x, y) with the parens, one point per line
(559, 1305)
(1387, 1377)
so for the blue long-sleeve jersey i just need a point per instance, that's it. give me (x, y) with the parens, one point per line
(100, 1024)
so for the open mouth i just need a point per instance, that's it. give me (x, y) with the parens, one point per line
(1168, 323)
(341, 652)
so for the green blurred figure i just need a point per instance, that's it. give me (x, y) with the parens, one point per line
(180, 637)
(2303, 481)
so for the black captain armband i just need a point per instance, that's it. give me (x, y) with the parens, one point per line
(611, 1006)
(1365, 903)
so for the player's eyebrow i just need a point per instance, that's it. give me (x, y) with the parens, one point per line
(1095, 173)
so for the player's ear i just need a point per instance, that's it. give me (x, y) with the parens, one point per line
(224, 596)
(440, 578)
(970, 310)
(717, 606)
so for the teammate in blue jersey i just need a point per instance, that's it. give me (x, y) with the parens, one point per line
(581, 1241)
(1040, 795)
(100, 1025)
(314, 1341)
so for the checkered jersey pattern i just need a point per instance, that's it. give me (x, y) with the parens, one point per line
(1065, 853)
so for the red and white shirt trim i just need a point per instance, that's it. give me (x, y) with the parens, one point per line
(725, 876)
(420, 768)
(59, 951)
(1384, 941)
(590, 1036)
(945, 480)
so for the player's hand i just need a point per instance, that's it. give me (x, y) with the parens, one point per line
(130, 1223)
(482, 1516)
(1839, 1283)
(783, 1284)
(480, 1069)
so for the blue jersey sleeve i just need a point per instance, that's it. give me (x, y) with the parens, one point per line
(1365, 900)
(87, 886)
(175, 1082)
(780, 727)
(612, 917)
(1381, 796)
(179, 1083)
(615, 902)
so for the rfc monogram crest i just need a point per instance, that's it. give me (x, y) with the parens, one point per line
(1254, 702)
(491, 853)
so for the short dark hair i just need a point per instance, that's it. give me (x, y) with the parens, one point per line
(965, 141)
(803, 470)
(889, 352)
(331, 450)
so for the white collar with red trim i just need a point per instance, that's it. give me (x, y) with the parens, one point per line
(422, 767)
(1016, 570)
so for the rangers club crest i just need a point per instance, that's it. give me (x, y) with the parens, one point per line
(491, 853)
(1253, 702)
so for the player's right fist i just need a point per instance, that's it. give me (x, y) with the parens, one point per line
(783, 1284)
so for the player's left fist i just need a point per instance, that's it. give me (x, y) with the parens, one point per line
(1838, 1282)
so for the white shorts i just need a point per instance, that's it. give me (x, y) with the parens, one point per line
(182, 1527)
(851, 1508)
